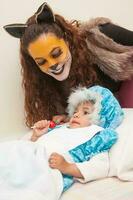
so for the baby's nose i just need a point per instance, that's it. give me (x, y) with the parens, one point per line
(76, 115)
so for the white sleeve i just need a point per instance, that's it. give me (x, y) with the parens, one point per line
(97, 167)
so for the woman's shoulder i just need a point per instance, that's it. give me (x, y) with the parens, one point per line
(89, 25)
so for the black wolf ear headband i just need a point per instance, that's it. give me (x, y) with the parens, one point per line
(44, 14)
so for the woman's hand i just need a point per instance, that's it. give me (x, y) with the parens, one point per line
(40, 128)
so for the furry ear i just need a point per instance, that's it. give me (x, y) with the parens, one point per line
(45, 14)
(16, 30)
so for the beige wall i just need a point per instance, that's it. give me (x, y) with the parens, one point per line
(16, 11)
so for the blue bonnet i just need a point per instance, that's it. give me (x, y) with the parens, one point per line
(108, 112)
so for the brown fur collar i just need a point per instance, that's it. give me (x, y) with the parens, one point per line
(114, 59)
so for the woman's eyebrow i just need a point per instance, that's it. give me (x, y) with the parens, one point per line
(39, 58)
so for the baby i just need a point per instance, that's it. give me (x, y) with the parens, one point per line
(82, 117)
(85, 110)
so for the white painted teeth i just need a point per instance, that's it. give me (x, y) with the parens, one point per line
(58, 69)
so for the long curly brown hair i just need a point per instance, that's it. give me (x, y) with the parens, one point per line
(44, 95)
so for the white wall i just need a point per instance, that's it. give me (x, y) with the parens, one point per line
(16, 11)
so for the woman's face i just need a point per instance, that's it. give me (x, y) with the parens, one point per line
(52, 56)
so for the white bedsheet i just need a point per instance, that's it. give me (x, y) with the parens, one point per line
(105, 189)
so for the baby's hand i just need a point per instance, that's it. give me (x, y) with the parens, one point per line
(57, 161)
(60, 119)
(40, 128)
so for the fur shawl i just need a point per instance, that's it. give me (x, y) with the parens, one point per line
(113, 59)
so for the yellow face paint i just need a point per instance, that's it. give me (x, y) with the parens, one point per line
(48, 50)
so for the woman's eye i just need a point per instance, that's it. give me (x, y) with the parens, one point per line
(56, 53)
(41, 62)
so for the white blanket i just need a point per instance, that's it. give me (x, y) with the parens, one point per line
(24, 169)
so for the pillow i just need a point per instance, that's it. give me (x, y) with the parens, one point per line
(121, 154)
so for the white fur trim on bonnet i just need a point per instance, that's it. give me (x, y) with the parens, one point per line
(83, 94)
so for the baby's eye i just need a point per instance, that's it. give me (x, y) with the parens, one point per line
(86, 113)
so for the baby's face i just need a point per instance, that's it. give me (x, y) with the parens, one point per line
(81, 116)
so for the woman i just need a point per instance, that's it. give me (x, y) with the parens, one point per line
(57, 55)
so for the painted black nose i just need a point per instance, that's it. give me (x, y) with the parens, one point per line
(53, 67)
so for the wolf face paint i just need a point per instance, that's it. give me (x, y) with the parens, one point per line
(52, 56)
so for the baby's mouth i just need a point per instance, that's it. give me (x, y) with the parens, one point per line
(75, 122)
